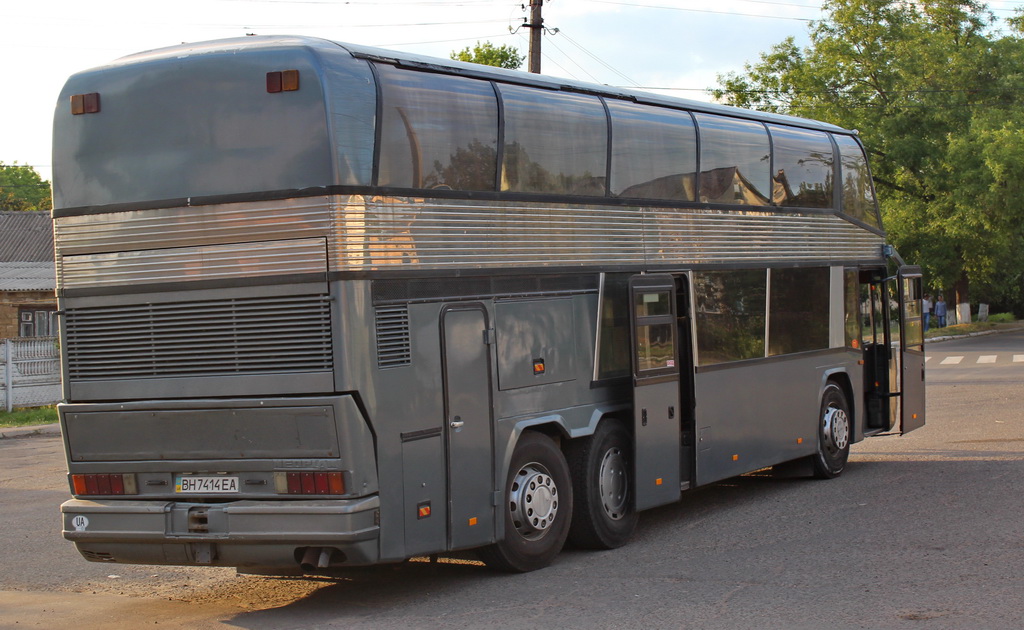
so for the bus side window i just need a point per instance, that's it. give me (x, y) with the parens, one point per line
(858, 196)
(555, 142)
(802, 163)
(654, 152)
(437, 131)
(734, 161)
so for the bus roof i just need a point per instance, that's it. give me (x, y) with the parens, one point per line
(449, 66)
(195, 121)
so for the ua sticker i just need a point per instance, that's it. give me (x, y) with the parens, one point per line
(80, 523)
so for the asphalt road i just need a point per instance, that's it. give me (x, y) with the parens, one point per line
(921, 531)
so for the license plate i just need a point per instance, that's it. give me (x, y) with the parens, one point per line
(194, 484)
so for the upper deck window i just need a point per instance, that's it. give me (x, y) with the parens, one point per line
(654, 152)
(437, 131)
(858, 196)
(803, 165)
(555, 142)
(734, 161)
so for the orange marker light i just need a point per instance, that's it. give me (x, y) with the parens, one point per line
(657, 481)
(79, 484)
(472, 521)
(282, 81)
(85, 103)
(290, 80)
(424, 511)
(735, 458)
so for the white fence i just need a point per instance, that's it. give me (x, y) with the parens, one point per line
(29, 372)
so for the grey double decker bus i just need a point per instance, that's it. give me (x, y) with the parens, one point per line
(326, 306)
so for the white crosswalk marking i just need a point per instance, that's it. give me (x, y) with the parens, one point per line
(1018, 358)
(987, 358)
(952, 360)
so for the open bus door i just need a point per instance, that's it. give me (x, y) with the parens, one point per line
(656, 410)
(911, 349)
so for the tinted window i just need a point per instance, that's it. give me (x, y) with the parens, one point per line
(613, 356)
(652, 304)
(798, 313)
(734, 161)
(554, 142)
(654, 152)
(803, 168)
(912, 328)
(853, 309)
(730, 315)
(655, 349)
(857, 194)
(438, 131)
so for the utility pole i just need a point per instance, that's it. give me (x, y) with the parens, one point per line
(536, 26)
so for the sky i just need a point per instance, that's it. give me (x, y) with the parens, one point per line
(676, 47)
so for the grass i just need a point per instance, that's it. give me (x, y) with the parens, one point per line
(28, 417)
(996, 322)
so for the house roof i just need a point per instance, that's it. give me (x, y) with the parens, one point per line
(27, 276)
(26, 236)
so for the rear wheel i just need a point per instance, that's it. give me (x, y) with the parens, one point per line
(538, 507)
(601, 468)
(834, 431)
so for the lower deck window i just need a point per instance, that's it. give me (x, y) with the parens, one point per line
(753, 313)
(798, 312)
(730, 314)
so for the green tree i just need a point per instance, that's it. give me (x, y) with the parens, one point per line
(490, 55)
(21, 188)
(934, 90)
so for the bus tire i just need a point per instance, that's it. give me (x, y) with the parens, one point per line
(834, 430)
(601, 466)
(538, 507)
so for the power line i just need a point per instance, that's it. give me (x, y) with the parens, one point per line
(595, 57)
(732, 13)
(816, 7)
(377, 3)
(578, 65)
(445, 41)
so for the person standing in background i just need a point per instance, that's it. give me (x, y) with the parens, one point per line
(926, 309)
(940, 311)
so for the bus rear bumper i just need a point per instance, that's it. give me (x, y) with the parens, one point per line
(265, 536)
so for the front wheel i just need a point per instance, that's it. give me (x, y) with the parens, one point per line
(834, 431)
(538, 507)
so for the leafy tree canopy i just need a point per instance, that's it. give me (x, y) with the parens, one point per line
(934, 88)
(490, 55)
(21, 188)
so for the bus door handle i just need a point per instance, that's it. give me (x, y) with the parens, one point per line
(456, 423)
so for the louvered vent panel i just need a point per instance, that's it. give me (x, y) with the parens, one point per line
(204, 338)
(393, 346)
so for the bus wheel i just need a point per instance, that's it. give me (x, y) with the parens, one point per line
(538, 507)
(834, 431)
(601, 467)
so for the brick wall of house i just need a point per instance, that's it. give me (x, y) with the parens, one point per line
(11, 303)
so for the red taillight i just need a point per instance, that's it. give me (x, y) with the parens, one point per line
(104, 484)
(308, 483)
(312, 483)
